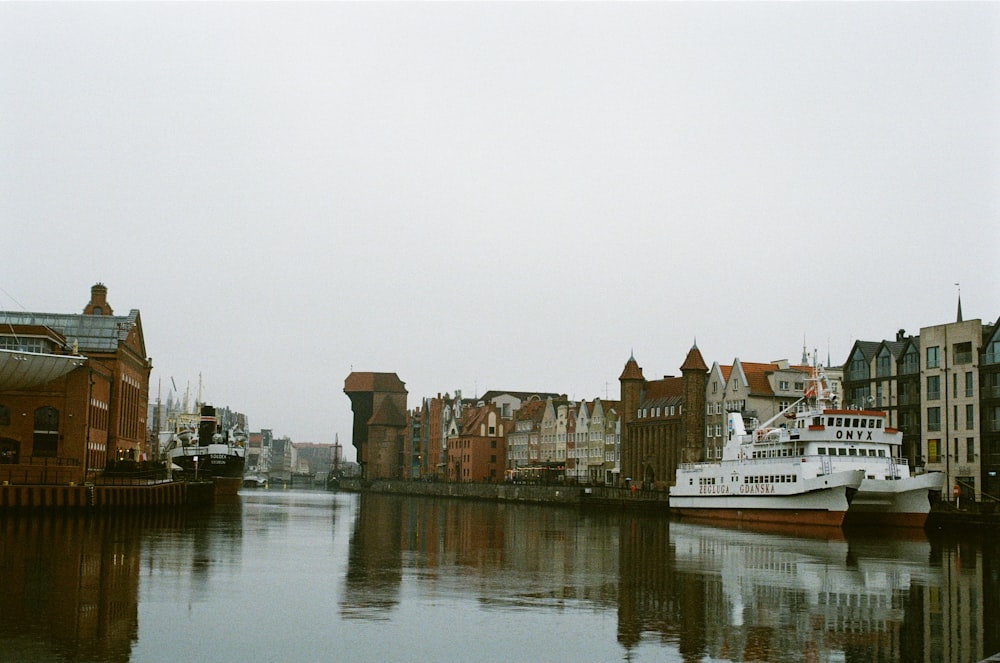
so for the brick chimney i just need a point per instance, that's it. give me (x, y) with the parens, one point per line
(98, 301)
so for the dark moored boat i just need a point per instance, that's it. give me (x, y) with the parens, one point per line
(214, 454)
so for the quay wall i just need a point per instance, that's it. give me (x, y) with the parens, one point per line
(581, 496)
(91, 496)
(941, 516)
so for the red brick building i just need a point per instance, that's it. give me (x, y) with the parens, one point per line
(479, 451)
(73, 392)
(663, 421)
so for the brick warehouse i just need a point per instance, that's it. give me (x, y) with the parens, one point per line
(73, 392)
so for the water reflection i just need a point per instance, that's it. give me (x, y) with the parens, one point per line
(765, 595)
(70, 585)
(729, 595)
(286, 575)
(456, 548)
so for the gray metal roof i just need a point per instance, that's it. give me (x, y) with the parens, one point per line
(93, 333)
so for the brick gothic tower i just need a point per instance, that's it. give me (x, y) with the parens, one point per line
(632, 382)
(695, 374)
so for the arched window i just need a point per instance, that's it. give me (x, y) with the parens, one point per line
(46, 437)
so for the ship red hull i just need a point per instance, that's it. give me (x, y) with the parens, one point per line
(812, 517)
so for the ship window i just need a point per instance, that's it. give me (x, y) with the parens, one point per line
(841, 452)
(821, 451)
(829, 421)
(881, 453)
(871, 452)
(855, 423)
(864, 423)
(878, 423)
(840, 422)
(852, 452)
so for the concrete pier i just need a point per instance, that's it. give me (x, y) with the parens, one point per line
(99, 496)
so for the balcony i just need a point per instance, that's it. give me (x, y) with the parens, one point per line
(963, 357)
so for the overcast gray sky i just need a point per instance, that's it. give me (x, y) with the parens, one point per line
(496, 196)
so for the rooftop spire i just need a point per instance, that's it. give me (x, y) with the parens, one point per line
(959, 319)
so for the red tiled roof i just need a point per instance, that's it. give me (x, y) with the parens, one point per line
(665, 388)
(532, 410)
(694, 361)
(632, 370)
(384, 382)
(756, 375)
(474, 417)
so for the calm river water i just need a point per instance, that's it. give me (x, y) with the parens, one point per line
(312, 576)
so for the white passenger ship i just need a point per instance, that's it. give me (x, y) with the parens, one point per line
(890, 494)
(758, 482)
(822, 466)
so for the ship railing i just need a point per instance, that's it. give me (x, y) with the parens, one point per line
(892, 464)
(898, 460)
(736, 464)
